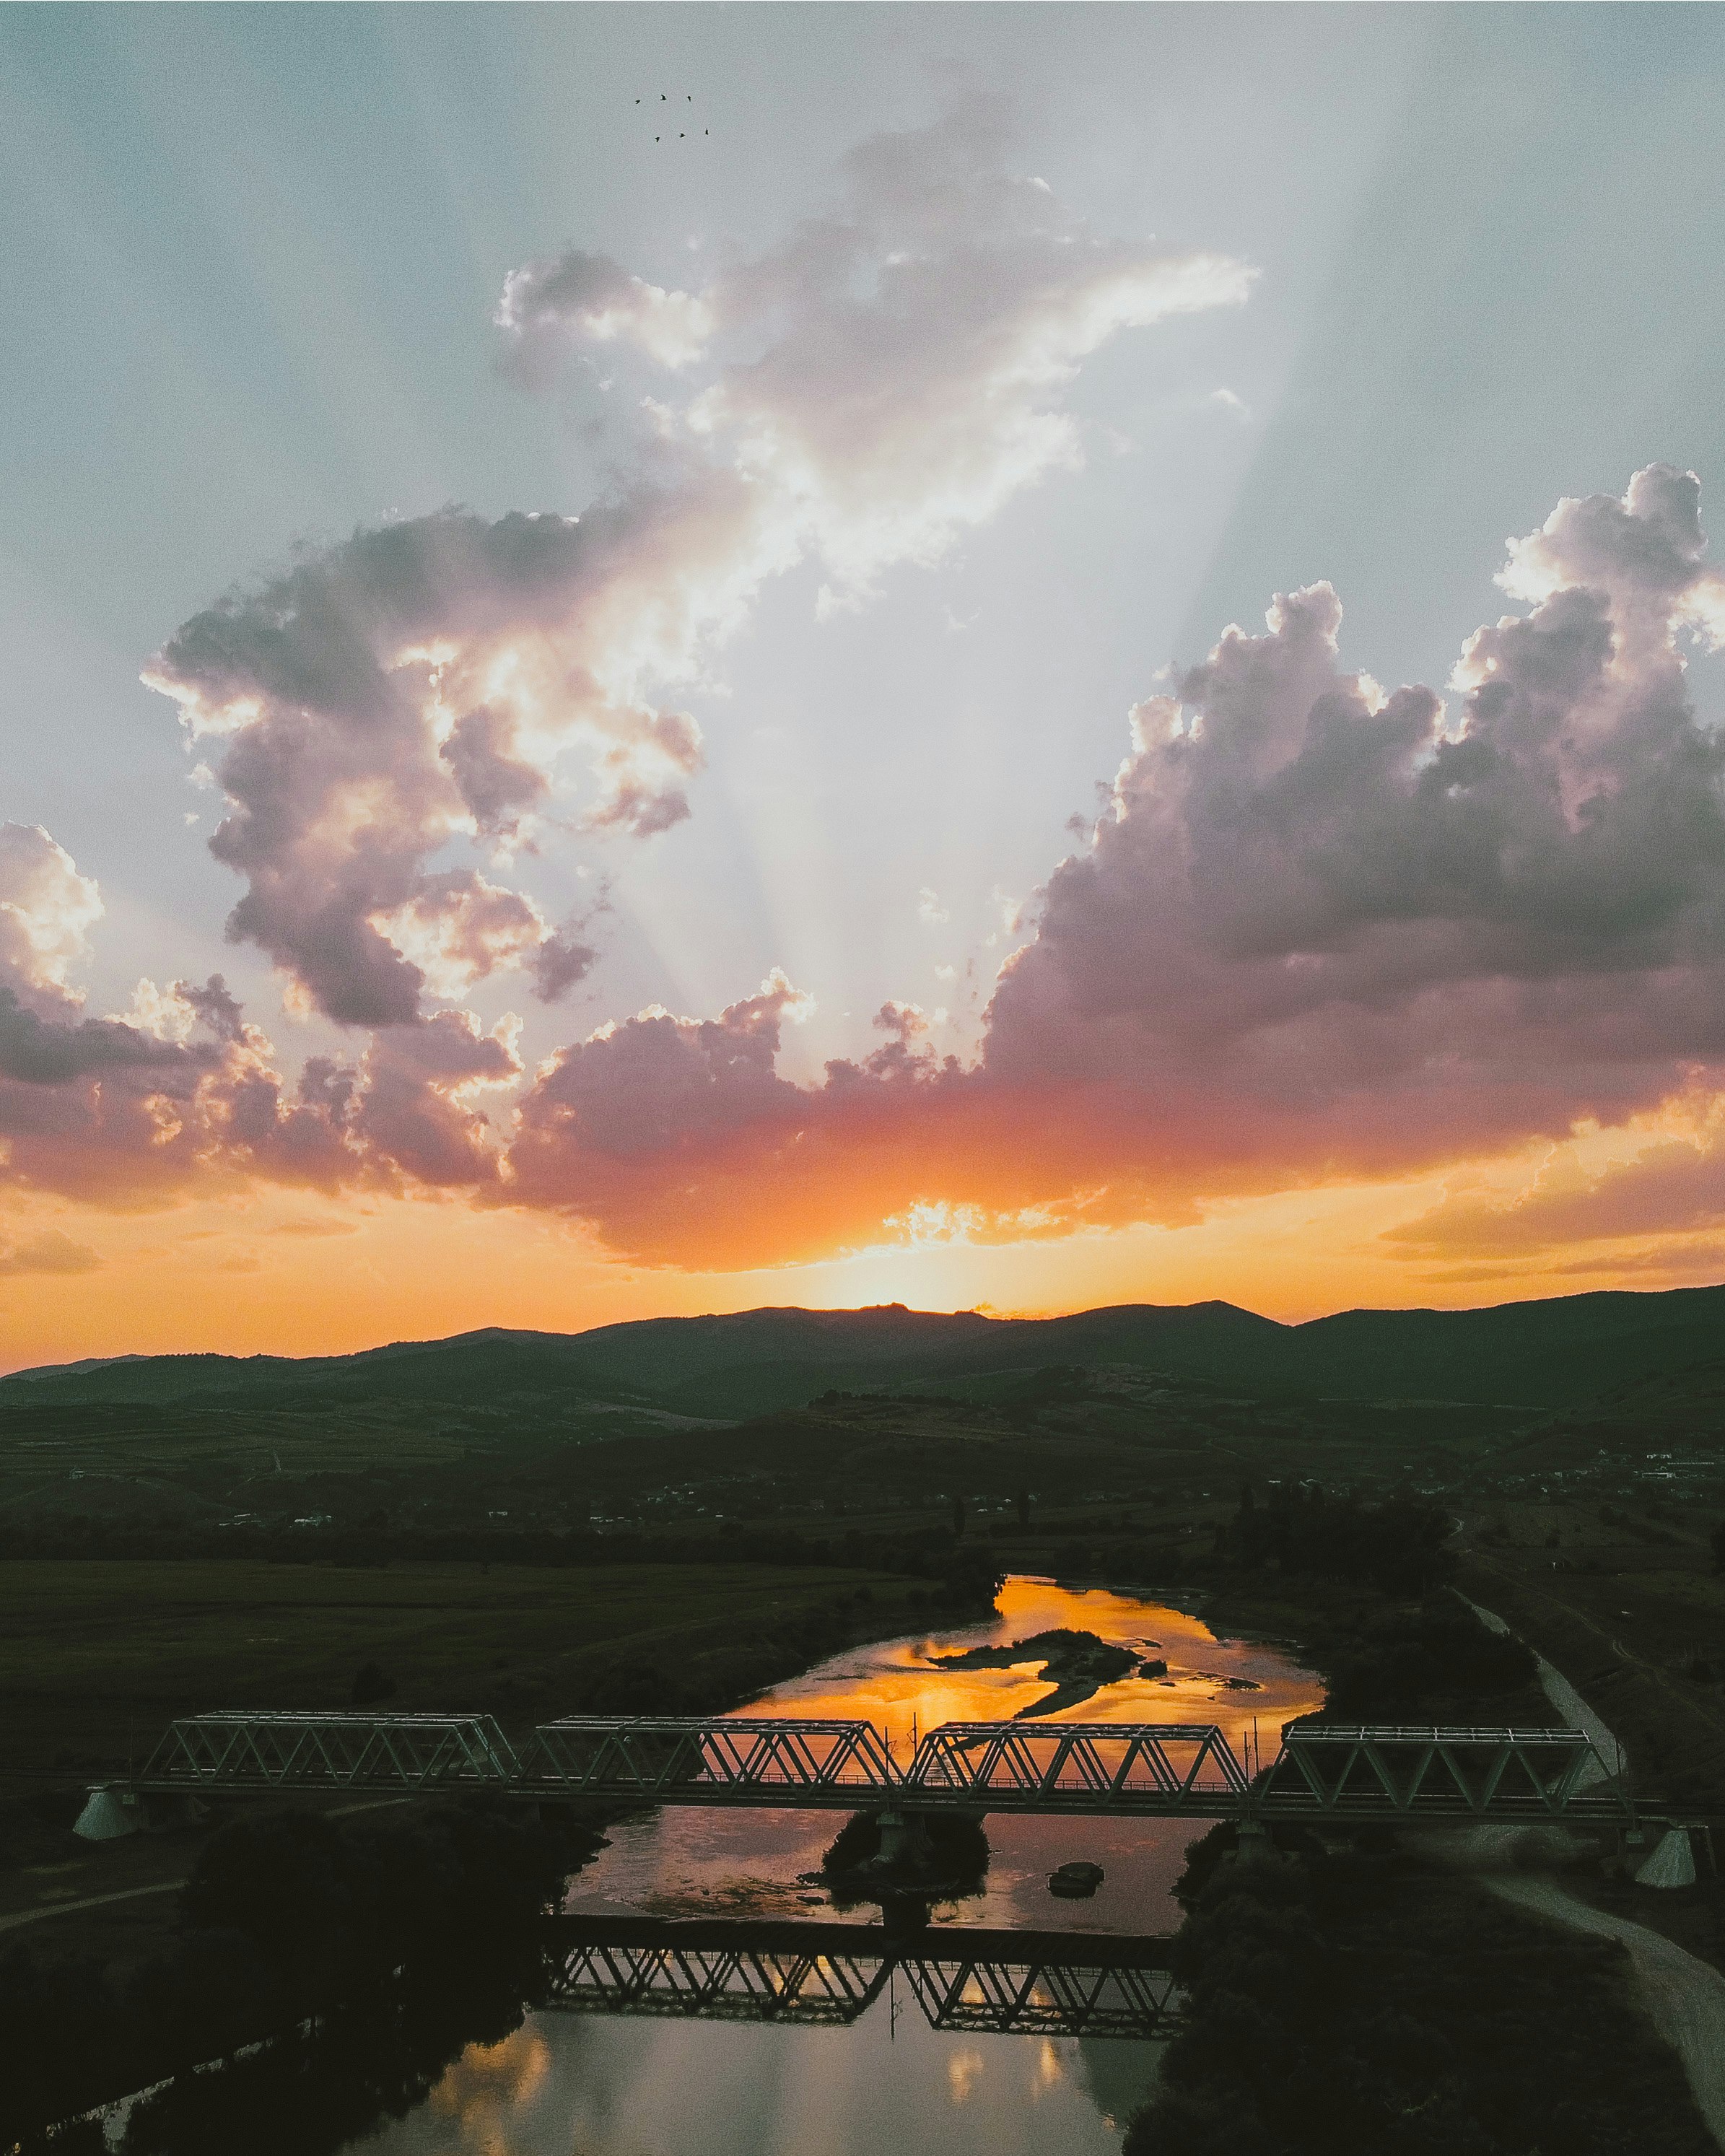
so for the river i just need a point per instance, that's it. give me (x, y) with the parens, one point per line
(577, 2085)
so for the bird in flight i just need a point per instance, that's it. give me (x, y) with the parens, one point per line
(682, 133)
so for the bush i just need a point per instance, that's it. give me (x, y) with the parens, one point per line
(56, 2015)
(1358, 2006)
(1403, 1667)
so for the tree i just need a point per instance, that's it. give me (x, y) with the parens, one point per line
(287, 1883)
(957, 1515)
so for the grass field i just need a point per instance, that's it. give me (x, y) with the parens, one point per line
(97, 1658)
(1624, 1599)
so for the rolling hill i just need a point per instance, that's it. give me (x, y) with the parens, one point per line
(1539, 1355)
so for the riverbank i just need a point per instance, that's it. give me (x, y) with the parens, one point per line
(1367, 2004)
(95, 1660)
(103, 1916)
(1375, 1998)
(1635, 1644)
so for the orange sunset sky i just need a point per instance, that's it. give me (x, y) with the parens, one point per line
(934, 697)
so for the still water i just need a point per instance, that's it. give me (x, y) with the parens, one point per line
(582, 2085)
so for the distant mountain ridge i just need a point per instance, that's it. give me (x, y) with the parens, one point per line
(1547, 1353)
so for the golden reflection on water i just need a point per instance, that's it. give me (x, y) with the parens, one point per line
(962, 2068)
(604, 2086)
(1234, 1684)
(488, 2084)
(694, 1862)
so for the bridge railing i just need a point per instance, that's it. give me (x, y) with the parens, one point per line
(979, 1995)
(994, 1986)
(1420, 1772)
(672, 1759)
(725, 1984)
(1152, 1770)
(1102, 1766)
(240, 1751)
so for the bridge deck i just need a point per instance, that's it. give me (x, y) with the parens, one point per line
(865, 1941)
(827, 1975)
(1117, 1769)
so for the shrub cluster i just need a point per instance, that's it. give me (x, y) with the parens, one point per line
(1397, 1547)
(287, 1915)
(1355, 2005)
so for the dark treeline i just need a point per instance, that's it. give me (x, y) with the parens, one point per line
(287, 1918)
(1360, 2005)
(1396, 1547)
(1362, 2001)
(1437, 1663)
(933, 1554)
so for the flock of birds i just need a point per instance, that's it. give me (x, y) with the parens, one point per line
(682, 132)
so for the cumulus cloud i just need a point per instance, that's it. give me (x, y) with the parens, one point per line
(180, 1093)
(414, 686)
(884, 377)
(677, 1137)
(1322, 929)
(47, 910)
(1325, 929)
(1311, 892)
(890, 372)
(573, 301)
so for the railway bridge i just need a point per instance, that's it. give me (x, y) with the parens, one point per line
(968, 1980)
(1347, 1776)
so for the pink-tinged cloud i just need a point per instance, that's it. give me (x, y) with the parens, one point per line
(416, 685)
(858, 395)
(1675, 1187)
(179, 1094)
(1322, 931)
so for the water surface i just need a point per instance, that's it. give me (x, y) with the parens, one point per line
(573, 2085)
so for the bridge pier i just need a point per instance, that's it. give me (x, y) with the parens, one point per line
(904, 1837)
(1253, 1843)
(114, 1810)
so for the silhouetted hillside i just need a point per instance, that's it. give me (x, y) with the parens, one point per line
(1550, 1353)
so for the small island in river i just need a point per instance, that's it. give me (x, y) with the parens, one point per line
(1077, 1664)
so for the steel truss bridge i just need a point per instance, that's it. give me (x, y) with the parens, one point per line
(1347, 1776)
(827, 1975)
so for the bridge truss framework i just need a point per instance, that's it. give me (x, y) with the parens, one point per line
(816, 1975)
(1115, 1770)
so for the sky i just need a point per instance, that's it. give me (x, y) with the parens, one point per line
(667, 659)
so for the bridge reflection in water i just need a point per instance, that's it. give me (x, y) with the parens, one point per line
(820, 1975)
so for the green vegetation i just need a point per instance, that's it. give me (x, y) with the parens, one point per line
(1361, 2004)
(945, 1859)
(285, 1916)
(95, 1659)
(1538, 1354)
(1397, 1547)
(828, 1436)
(1076, 1664)
(674, 1515)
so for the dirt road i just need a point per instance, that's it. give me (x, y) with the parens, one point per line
(1685, 1997)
